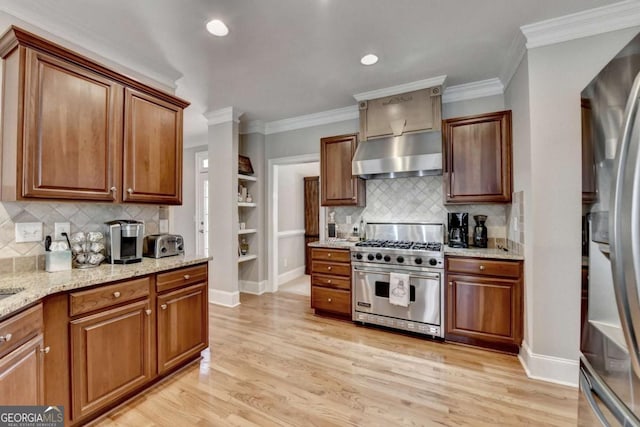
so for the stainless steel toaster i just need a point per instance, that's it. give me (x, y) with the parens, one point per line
(162, 245)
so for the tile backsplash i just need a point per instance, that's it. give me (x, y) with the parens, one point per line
(416, 199)
(81, 216)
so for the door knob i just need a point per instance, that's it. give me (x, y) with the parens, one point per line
(116, 294)
(482, 267)
(187, 277)
(329, 299)
(329, 268)
(45, 350)
(450, 283)
(163, 306)
(148, 312)
(5, 338)
(129, 190)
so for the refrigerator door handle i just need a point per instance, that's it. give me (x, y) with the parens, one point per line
(585, 386)
(624, 220)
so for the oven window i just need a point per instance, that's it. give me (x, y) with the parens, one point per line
(382, 290)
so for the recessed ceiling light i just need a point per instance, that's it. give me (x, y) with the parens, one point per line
(369, 59)
(217, 28)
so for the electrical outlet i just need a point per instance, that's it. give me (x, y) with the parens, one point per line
(348, 219)
(285, 261)
(28, 232)
(59, 228)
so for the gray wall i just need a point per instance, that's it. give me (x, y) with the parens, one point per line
(470, 107)
(304, 141)
(184, 217)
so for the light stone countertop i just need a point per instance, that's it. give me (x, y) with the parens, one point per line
(39, 284)
(482, 253)
(333, 244)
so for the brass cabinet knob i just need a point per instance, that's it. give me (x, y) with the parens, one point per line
(163, 306)
(450, 283)
(187, 277)
(329, 281)
(329, 299)
(329, 254)
(148, 312)
(482, 267)
(130, 190)
(113, 189)
(329, 268)
(116, 294)
(5, 338)
(45, 350)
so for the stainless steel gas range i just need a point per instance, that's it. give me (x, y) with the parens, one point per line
(397, 253)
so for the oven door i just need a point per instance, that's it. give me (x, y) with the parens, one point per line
(371, 294)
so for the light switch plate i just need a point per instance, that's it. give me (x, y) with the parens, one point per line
(59, 228)
(28, 232)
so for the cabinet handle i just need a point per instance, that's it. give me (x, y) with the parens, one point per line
(329, 254)
(329, 281)
(187, 277)
(450, 283)
(5, 338)
(329, 268)
(329, 299)
(482, 267)
(130, 190)
(113, 189)
(116, 294)
(45, 350)
(148, 312)
(163, 306)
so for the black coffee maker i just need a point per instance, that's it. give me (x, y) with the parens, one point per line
(458, 229)
(480, 231)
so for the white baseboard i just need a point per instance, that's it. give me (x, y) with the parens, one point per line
(549, 368)
(290, 275)
(255, 288)
(225, 298)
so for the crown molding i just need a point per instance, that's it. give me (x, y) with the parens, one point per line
(514, 57)
(315, 119)
(403, 88)
(223, 115)
(590, 22)
(473, 90)
(64, 31)
(254, 126)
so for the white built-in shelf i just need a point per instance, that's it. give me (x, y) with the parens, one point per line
(247, 205)
(247, 231)
(246, 178)
(244, 258)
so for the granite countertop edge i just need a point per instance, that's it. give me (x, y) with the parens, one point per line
(483, 253)
(332, 244)
(40, 284)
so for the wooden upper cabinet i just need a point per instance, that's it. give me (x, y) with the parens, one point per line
(337, 184)
(72, 139)
(152, 150)
(477, 158)
(63, 129)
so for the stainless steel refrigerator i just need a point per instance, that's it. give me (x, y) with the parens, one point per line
(610, 333)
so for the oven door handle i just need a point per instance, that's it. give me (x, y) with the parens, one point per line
(434, 276)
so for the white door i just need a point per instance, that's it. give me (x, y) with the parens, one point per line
(202, 203)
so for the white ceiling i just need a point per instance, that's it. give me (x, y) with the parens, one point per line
(285, 58)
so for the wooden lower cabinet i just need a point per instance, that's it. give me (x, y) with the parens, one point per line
(483, 309)
(110, 355)
(182, 325)
(22, 375)
(331, 281)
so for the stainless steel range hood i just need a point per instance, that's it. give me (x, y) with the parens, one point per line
(412, 154)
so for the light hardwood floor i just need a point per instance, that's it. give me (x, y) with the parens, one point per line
(273, 363)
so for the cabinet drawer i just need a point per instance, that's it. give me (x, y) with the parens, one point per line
(331, 281)
(334, 300)
(19, 328)
(333, 268)
(105, 296)
(339, 255)
(181, 277)
(484, 267)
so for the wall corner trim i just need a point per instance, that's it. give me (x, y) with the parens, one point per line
(549, 368)
(224, 298)
(616, 16)
(223, 115)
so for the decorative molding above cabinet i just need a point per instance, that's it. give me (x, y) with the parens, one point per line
(76, 130)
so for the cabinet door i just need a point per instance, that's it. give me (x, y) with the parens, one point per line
(182, 325)
(72, 132)
(338, 186)
(152, 150)
(483, 310)
(110, 356)
(21, 375)
(477, 164)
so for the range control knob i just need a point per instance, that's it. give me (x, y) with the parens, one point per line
(400, 259)
(418, 261)
(359, 256)
(433, 261)
(370, 257)
(387, 258)
(163, 250)
(378, 257)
